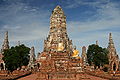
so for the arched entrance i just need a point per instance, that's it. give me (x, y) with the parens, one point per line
(114, 67)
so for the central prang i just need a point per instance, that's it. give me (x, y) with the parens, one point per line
(58, 55)
(58, 40)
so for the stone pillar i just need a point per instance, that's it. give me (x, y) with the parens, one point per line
(84, 56)
(4, 66)
(32, 58)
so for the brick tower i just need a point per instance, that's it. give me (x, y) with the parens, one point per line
(59, 60)
(5, 46)
(112, 55)
(5, 43)
(57, 39)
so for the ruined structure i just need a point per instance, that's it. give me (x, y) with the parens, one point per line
(112, 55)
(2, 64)
(58, 39)
(5, 46)
(84, 56)
(32, 60)
(59, 60)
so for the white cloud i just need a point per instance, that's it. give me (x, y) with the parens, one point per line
(30, 25)
(97, 27)
(107, 16)
(77, 3)
(22, 20)
(24, 23)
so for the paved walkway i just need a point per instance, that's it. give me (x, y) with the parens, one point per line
(83, 77)
(29, 77)
(90, 77)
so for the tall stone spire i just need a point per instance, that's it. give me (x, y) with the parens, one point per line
(84, 56)
(111, 43)
(111, 47)
(58, 39)
(5, 46)
(32, 58)
(112, 55)
(57, 19)
(6, 42)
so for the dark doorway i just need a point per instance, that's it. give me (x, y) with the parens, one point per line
(114, 67)
(2, 66)
(38, 65)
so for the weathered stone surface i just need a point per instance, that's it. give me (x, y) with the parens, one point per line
(57, 39)
(32, 60)
(84, 57)
(112, 55)
(5, 46)
(6, 42)
(57, 60)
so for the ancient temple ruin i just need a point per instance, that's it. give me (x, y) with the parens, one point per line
(84, 57)
(5, 46)
(58, 58)
(112, 55)
(31, 64)
(58, 39)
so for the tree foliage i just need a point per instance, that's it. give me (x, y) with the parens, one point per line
(15, 57)
(97, 55)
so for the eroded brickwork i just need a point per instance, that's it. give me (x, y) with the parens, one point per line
(58, 58)
(112, 55)
(5, 46)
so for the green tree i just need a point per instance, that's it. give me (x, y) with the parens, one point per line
(15, 57)
(97, 55)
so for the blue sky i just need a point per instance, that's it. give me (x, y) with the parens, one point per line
(87, 21)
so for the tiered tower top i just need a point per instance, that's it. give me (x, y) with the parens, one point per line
(111, 46)
(6, 42)
(58, 39)
(57, 19)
